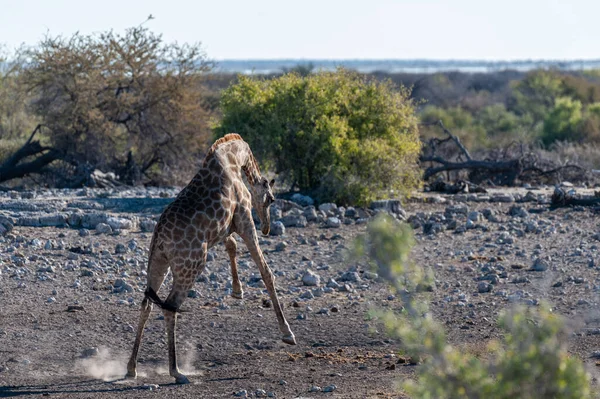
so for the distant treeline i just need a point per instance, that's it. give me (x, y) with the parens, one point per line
(259, 66)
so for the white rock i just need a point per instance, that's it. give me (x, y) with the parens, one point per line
(311, 279)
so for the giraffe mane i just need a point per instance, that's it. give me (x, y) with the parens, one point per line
(228, 137)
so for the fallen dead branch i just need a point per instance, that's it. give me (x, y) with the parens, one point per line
(461, 186)
(565, 197)
(501, 167)
(14, 167)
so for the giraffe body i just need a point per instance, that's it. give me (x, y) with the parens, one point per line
(213, 206)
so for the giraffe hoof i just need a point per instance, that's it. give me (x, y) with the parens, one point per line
(131, 374)
(181, 379)
(289, 339)
(237, 295)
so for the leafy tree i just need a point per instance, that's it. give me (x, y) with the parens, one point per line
(15, 122)
(127, 103)
(337, 135)
(301, 69)
(563, 121)
(536, 94)
(496, 120)
(458, 120)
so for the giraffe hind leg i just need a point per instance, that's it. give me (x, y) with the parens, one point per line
(184, 277)
(132, 364)
(157, 270)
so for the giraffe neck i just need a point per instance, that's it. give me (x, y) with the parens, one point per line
(250, 167)
(242, 154)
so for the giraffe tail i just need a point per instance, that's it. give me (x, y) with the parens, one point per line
(154, 298)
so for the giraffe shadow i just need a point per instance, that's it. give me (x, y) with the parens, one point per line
(87, 386)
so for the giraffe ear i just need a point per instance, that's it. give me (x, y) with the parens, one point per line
(272, 183)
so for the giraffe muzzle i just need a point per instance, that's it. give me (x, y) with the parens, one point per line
(265, 223)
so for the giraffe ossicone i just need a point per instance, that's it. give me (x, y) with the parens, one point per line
(210, 209)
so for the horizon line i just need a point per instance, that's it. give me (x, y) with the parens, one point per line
(480, 60)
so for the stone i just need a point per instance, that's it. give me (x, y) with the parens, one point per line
(103, 228)
(370, 275)
(310, 213)
(330, 388)
(311, 279)
(333, 222)
(307, 295)
(349, 276)
(119, 223)
(277, 229)
(475, 217)
(6, 226)
(147, 225)
(91, 220)
(518, 211)
(74, 219)
(303, 200)
(457, 209)
(331, 283)
(90, 352)
(53, 220)
(281, 246)
(275, 212)
(294, 221)
(393, 206)
(120, 249)
(432, 228)
(329, 208)
(351, 213)
(84, 233)
(121, 285)
(506, 198)
(29, 221)
(483, 287)
(539, 265)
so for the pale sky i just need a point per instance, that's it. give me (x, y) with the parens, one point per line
(330, 29)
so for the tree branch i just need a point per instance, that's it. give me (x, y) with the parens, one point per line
(451, 136)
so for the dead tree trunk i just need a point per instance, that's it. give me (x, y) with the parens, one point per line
(505, 171)
(13, 168)
(563, 197)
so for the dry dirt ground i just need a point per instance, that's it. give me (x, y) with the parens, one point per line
(227, 346)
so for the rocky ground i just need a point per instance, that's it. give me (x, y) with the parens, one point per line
(72, 274)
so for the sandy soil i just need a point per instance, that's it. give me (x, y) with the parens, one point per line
(228, 345)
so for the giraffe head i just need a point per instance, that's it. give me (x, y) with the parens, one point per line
(262, 198)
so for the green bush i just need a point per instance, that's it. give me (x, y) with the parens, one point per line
(531, 361)
(336, 135)
(563, 122)
(536, 94)
(497, 121)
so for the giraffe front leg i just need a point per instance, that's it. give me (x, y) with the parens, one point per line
(231, 246)
(252, 242)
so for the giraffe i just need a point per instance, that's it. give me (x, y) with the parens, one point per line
(213, 206)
